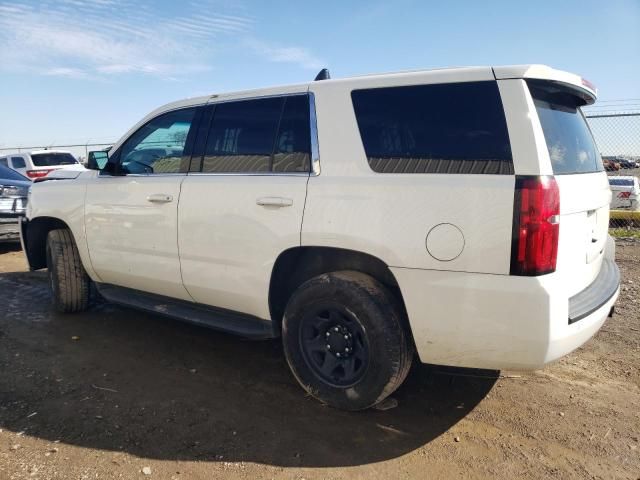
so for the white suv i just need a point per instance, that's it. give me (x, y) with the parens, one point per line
(461, 213)
(39, 163)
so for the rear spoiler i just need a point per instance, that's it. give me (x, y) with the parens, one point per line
(583, 87)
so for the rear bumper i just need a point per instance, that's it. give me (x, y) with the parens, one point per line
(500, 321)
(9, 229)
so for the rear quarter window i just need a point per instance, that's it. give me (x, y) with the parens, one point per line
(18, 162)
(455, 128)
(569, 141)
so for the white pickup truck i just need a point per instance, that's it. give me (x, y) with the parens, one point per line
(458, 215)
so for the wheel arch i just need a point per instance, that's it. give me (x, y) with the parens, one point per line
(296, 265)
(34, 237)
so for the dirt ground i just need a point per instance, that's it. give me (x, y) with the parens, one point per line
(112, 392)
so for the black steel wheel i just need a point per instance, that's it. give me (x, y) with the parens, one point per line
(345, 340)
(334, 345)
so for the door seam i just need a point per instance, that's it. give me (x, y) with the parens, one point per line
(178, 239)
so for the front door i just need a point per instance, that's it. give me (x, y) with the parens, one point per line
(131, 216)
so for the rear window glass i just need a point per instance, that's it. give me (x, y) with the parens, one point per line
(442, 128)
(624, 182)
(569, 140)
(52, 159)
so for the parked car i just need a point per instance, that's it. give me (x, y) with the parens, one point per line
(626, 163)
(461, 213)
(611, 166)
(14, 189)
(626, 192)
(39, 163)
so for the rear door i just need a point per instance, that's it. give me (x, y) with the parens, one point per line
(584, 189)
(242, 203)
(131, 217)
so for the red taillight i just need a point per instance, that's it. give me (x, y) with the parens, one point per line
(38, 173)
(624, 194)
(536, 211)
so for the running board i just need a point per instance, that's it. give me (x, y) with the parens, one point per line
(220, 319)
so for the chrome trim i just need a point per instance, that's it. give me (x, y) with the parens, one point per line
(108, 175)
(315, 146)
(214, 100)
(251, 174)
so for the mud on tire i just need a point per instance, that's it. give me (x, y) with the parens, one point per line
(68, 281)
(345, 340)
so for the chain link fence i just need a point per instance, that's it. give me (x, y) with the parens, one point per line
(617, 135)
(618, 138)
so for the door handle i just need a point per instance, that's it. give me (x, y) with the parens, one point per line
(274, 202)
(160, 198)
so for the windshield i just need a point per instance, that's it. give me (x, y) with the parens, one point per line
(52, 159)
(9, 174)
(569, 140)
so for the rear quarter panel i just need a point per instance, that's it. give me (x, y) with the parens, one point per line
(389, 215)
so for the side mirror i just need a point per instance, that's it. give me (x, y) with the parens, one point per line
(97, 160)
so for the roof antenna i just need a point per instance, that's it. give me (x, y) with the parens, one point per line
(323, 75)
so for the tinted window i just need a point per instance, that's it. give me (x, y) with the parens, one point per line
(3, 161)
(51, 159)
(241, 137)
(444, 128)
(569, 140)
(6, 172)
(293, 143)
(159, 145)
(18, 162)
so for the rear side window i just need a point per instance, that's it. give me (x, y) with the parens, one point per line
(3, 161)
(569, 140)
(242, 135)
(443, 128)
(18, 162)
(52, 159)
(293, 142)
(259, 135)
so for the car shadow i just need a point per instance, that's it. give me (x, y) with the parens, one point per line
(6, 247)
(117, 379)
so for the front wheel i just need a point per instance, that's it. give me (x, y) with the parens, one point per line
(68, 281)
(345, 340)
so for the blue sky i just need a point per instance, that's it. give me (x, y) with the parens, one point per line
(78, 70)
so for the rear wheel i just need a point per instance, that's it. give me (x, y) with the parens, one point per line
(68, 281)
(345, 341)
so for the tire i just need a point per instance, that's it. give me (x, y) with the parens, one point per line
(352, 316)
(68, 281)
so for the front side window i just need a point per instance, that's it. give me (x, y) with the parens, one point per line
(453, 128)
(259, 135)
(158, 146)
(18, 162)
(50, 159)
